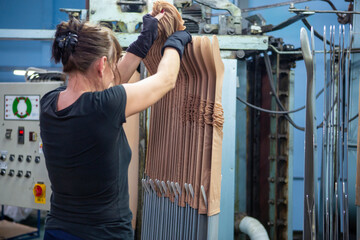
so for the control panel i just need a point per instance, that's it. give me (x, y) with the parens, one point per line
(24, 179)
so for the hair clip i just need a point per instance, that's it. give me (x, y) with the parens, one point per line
(71, 39)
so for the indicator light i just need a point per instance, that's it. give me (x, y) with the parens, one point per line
(21, 138)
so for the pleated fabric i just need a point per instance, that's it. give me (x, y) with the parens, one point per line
(185, 135)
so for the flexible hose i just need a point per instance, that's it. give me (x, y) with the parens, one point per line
(253, 228)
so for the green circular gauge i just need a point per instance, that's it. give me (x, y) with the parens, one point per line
(15, 107)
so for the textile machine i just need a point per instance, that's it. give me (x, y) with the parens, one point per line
(241, 159)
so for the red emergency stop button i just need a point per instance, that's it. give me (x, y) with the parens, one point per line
(38, 190)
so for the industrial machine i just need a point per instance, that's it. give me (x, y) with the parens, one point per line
(24, 180)
(258, 98)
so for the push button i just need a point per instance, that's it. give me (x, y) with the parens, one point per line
(28, 174)
(11, 172)
(20, 173)
(39, 192)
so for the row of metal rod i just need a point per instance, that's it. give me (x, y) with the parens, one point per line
(334, 211)
(164, 218)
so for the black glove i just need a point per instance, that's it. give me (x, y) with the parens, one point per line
(147, 37)
(177, 40)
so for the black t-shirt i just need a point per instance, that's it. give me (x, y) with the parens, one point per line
(87, 157)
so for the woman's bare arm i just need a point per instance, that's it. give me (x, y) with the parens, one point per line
(127, 65)
(142, 94)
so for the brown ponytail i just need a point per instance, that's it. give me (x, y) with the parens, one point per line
(78, 44)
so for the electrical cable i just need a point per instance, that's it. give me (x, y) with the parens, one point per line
(276, 112)
(354, 117)
(267, 110)
(318, 35)
(333, 7)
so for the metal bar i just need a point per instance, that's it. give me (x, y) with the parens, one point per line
(136, 3)
(299, 52)
(309, 191)
(323, 221)
(273, 5)
(230, 42)
(308, 11)
(332, 137)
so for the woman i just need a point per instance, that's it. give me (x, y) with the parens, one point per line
(85, 147)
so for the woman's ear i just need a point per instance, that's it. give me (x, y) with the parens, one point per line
(100, 66)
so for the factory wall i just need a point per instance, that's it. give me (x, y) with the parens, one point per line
(32, 14)
(45, 14)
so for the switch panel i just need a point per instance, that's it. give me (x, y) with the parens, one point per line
(24, 180)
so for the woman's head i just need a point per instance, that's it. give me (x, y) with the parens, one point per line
(79, 44)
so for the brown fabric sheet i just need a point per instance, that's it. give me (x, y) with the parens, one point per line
(185, 136)
(218, 121)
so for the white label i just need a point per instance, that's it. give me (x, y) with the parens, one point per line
(22, 107)
(3, 165)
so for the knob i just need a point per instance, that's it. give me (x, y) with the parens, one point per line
(28, 158)
(28, 174)
(20, 158)
(12, 157)
(20, 173)
(3, 172)
(3, 157)
(38, 190)
(37, 159)
(11, 172)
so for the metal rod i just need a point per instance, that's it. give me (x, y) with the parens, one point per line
(273, 5)
(308, 11)
(324, 139)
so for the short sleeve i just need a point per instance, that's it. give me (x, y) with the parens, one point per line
(113, 104)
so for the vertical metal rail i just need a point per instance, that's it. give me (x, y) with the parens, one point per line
(273, 175)
(324, 207)
(334, 192)
(309, 181)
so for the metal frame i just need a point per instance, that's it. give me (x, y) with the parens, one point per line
(226, 42)
(226, 216)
